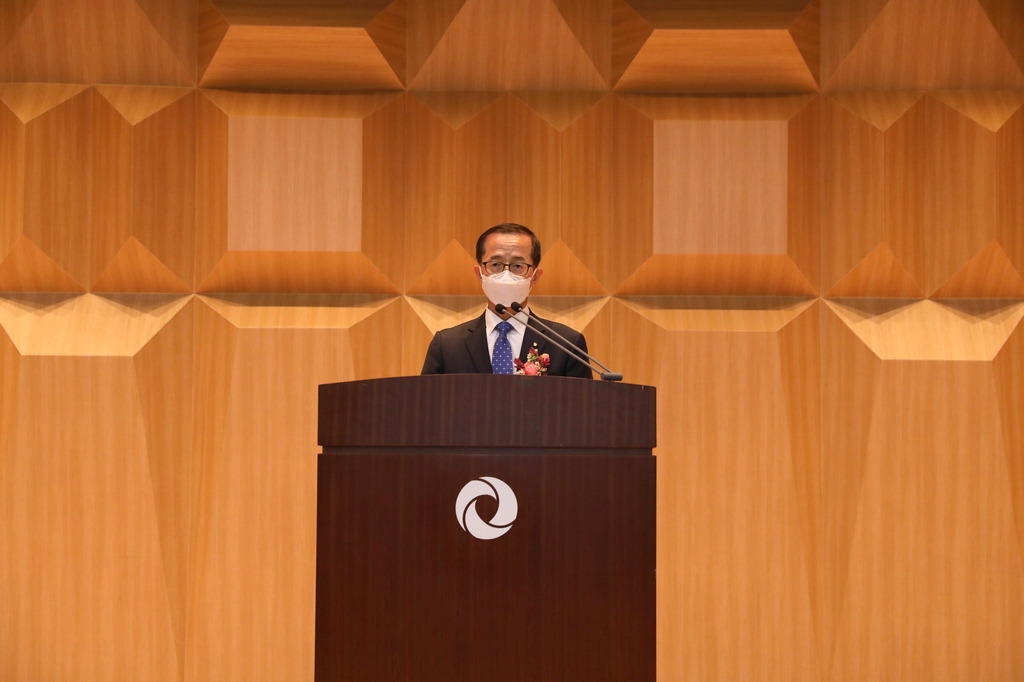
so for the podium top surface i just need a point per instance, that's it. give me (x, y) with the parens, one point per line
(487, 411)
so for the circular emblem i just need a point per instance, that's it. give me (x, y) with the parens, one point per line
(469, 519)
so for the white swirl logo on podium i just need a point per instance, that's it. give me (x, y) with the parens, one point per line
(469, 518)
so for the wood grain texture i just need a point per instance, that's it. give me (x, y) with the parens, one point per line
(559, 109)
(842, 26)
(717, 313)
(135, 268)
(803, 191)
(54, 44)
(83, 579)
(295, 311)
(383, 202)
(310, 13)
(989, 109)
(299, 58)
(919, 44)
(12, 179)
(718, 61)
(430, 191)
(939, 429)
(565, 273)
(806, 33)
(26, 268)
(880, 109)
(29, 100)
(730, 540)
(211, 187)
(1008, 18)
(895, 329)
(482, 154)
(879, 275)
(295, 272)
(295, 184)
(508, 45)
(629, 33)
(752, 107)
(136, 104)
(607, 190)
(720, 187)
(254, 555)
(427, 22)
(298, 105)
(451, 274)
(1009, 198)
(940, 191)
(388, 33)
(717, 275)
(116, 325)
(1006, 369)
(990, 274)
(591, 23)
(534, 173)
(719, 15)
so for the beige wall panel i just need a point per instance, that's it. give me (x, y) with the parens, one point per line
(481, 173)
(803, 234)
(1009, 193)
(1008, 367)
(607, 190)
(56, 43)
(430, 190)
(211, 187)
(718, 61)
(83, 580)
(940, 191)
(294, 184)
(164, 186)
(508, 45)
(533, 172)
(852, 202)
(733, 583)
(929, 45)
(255, 559)
(299, 57)
(720, 187)
(934, 588)
(849, 385)
(383, 202)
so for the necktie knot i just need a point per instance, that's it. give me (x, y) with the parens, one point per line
(504, 327)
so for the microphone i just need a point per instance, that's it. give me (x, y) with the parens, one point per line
(573, 350)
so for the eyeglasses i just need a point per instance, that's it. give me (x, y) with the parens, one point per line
(496, 267)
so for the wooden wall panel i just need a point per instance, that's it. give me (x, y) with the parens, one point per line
(255, 553)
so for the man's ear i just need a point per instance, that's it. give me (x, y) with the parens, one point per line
(476, 269)
(536, 276)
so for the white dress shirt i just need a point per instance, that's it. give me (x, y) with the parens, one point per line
(514, 336)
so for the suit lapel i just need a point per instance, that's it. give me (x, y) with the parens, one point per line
(476, 344)
(529, 338)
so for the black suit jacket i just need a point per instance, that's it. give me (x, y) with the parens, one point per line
(463, 350)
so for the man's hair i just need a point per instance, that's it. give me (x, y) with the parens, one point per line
(510, 228)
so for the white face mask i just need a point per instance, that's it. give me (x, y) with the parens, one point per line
(506, 288)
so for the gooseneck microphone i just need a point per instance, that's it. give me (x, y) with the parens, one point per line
(571, 348)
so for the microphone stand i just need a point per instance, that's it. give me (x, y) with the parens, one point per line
(573, 350)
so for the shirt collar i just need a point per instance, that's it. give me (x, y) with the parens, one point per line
(492, 320)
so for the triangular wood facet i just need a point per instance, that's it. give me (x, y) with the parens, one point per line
(629, 33)
(565, 274)
(806, 33)
(136, 269)
(880, 109)
(30, 100)
(590, 22)
(176, 22)
(387, 32)
(137, 103)
(515, 45)
(427, 22)
(879, 275)
(27, 268)
(212, 29)
(930, 45)
(990, 274)
(455, 108)
(442, 312)
(988, 109)
(842, 25)
(12, 14)
(1008, 18)
(451, 274)
(559, 109)
(131, 50)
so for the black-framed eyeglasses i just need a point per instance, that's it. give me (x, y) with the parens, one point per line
(496, 267)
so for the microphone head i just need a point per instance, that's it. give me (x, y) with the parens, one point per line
(499, 308)
(516, 306)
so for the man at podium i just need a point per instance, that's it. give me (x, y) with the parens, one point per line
(508, 265)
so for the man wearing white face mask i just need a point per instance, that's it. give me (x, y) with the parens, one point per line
(508, 260)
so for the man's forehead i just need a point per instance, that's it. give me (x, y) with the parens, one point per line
(508, 244)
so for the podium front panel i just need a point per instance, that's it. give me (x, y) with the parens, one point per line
(404, 592)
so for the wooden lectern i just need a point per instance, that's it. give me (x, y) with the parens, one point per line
(418, 472)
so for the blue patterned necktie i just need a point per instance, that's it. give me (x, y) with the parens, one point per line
(502, 360)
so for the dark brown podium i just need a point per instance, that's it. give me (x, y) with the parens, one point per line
(565, 592)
